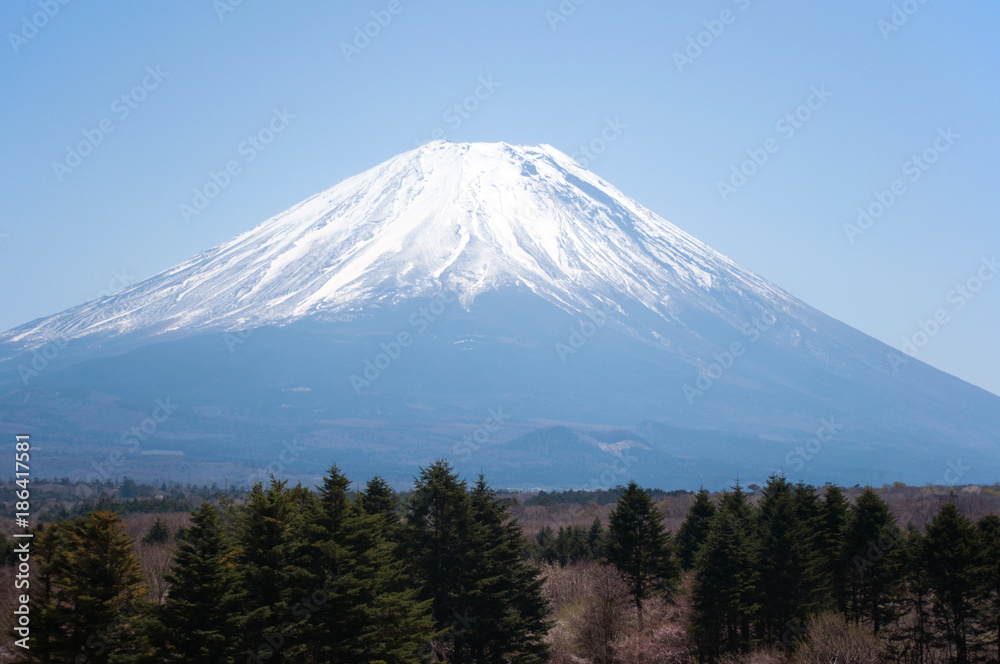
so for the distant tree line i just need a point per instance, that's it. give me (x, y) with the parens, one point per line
(598, 496)
(291, 574)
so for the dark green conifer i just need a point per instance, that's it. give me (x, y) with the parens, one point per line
(158, 533)
(830, 546)
(692, 533)
(639, 546)
(727, 582)
(953, 560)
(874, 557)
(200, 614)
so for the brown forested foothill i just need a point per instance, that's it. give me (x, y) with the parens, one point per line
(780, 574)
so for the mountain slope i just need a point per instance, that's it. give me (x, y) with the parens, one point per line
(378, 324)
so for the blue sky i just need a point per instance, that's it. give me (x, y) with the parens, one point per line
(695, 89)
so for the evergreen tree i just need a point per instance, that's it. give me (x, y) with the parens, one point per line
(47, 612)
(830, 546)
(128, 488)
(438, 537)
(267, 548)
(784, 558)
(378, 497)
(486, 600)
(871, 546)
(368, 609)
(989, 532)
(6, 551)
(918, 595)
(158, 533)
(571, 545)
(91, 591)
(693, 532)
(638, 545)
(507, 606)
(544, 548)
(595, 540)
(952, 556)
(200, 613)
(726, 585)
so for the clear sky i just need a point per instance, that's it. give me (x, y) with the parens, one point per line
(162, 94)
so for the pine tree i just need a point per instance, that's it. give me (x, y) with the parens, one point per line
(158, 533)
(486, 600)
(545, 546)
(571, 545)
(989, 532)
(953, 560)
(693, 532)
(369, 609)
(830, 546)
(816, 590)
(200, 613)
(91, 591)
(918, 595)
(439, 532)
(47, 612)
(595, 540)
(638, 545)
(378, 497)
(784, 559)
(871, 546)
(507, 609)
(726, 585)
(267, 547)
(6, 551)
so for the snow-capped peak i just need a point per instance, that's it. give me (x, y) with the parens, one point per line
(465, 217)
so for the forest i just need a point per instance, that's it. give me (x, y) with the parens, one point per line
(451, 571)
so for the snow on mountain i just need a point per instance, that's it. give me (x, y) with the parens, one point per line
(719, 372)
(464, 217)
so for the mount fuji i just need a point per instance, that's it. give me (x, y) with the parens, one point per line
(497, 305)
